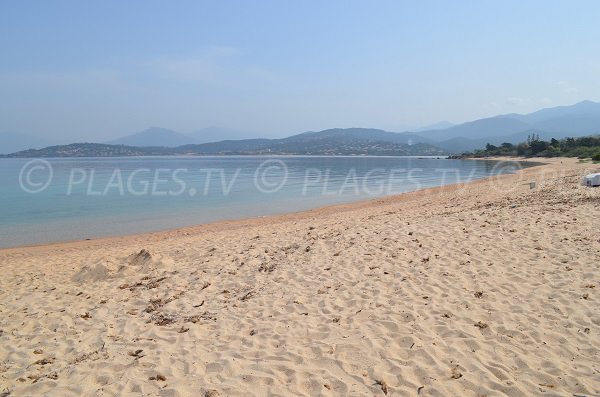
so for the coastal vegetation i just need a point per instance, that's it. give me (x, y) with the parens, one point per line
(581, 147)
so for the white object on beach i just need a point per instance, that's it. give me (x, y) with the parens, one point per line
(591, 180)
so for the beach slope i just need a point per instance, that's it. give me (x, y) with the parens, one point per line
(484, 289)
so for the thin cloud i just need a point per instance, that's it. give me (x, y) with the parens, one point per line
(567, 87)
(516, 101)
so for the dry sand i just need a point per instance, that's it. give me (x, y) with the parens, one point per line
(485, 289)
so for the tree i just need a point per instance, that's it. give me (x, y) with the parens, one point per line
(522, 149)
(490, 148)
(570, 142)
(537, 146)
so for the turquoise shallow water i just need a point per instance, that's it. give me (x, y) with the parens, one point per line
(43, 201)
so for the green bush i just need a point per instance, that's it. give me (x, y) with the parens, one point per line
(581, 147)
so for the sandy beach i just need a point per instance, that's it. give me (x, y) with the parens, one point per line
(484, 289)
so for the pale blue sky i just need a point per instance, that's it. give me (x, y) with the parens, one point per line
(97, 70)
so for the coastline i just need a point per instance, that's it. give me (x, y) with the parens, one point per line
(261, 220)
(483, 288)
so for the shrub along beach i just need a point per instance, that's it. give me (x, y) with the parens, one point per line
(583, 147)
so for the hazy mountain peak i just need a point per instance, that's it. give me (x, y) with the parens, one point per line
(154, 136)
(441, 125)
(215, 134)
(586, 102)
(582, 118)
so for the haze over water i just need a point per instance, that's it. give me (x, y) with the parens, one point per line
(93, 197)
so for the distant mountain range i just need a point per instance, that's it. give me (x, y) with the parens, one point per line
(437, 126)
(155, 136)
(151, 137)
(215, 134)
(580, 119)
(355, 141)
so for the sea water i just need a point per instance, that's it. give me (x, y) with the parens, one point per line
(51, 200)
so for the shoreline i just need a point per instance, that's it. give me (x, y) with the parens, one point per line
(474, 289)
(275, 218)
